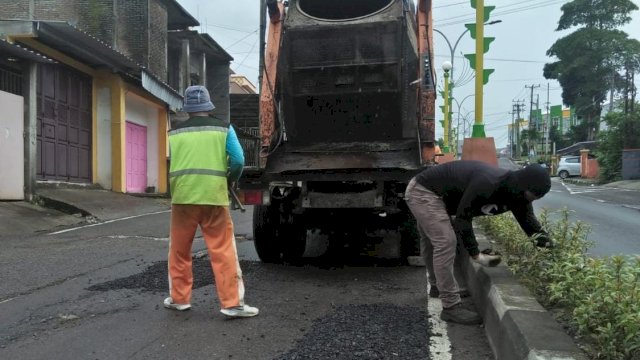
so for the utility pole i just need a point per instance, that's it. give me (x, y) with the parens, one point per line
(532, 87)
(547, 127)
(512, 128)
(518, 106)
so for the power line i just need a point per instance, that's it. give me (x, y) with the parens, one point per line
(443, 6)
(240, 40)
(497, 59)
(228, 28)
(249, 53)
(467, 15)
(471, 17)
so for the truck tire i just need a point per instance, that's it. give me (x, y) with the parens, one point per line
(265, 234)
(410, 243)
(294, 241)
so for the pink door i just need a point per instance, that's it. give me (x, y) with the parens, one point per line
(136, 158)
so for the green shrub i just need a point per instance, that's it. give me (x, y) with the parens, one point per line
(602, 294)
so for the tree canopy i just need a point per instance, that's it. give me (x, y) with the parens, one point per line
(599, 14)
(589, 59)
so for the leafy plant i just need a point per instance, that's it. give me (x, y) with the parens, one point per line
(602, 294)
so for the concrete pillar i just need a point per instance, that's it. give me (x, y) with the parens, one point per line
(584, 157)
(118, 141)
(184, 64)
(202, 68)
(29, 84)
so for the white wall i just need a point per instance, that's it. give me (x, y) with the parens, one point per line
(142, 113)
(104, 137)
(11, 147)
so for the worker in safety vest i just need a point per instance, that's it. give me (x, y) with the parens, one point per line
(202, 150)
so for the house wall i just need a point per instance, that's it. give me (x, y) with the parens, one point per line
(138, 111)
(137, 28)
(158, 38)
(17, 9)
(11, 147)
(95, 17)
(141, 32)
(131, 29)
(218, 86)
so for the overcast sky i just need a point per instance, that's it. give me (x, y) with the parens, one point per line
(518, 54)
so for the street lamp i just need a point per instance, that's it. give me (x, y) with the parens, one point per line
(459, 104)
(452, 50)
(446, 66)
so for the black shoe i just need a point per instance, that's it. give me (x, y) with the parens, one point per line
(434, 292)
(459, 314)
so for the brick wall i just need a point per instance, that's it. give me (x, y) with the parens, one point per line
(158, 39)
(131, 29)
(16, 9)
(137, 28)
(98, 19)
(65, 10)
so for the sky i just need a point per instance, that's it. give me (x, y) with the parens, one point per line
(518, 54)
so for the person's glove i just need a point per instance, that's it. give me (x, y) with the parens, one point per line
(486, 258)
(543, 240)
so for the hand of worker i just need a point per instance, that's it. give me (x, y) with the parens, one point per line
(543, 240)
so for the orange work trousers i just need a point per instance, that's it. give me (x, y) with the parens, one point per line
(217, 230)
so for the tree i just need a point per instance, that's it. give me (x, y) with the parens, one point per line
(592, 56)
(623, 133)
(577, 133)
(556, 137)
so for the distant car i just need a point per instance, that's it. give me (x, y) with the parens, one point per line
(569, 166)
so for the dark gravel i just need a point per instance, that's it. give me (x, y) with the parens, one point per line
(154, 278)
(377, 331)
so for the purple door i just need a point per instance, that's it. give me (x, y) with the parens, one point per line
(64, 124)
(136, 136)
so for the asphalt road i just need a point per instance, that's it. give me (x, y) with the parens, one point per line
(96, 292)
(612, 214)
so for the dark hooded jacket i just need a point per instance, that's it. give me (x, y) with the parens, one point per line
(473, 188)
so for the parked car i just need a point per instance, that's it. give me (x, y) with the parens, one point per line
(569, 166)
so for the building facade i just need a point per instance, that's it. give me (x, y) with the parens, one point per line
(98, 110)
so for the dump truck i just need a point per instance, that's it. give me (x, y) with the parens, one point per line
(346, 120)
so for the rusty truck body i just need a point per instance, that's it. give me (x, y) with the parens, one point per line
(346, 120)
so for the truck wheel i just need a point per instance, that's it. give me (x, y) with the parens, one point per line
(294, 240)
(265, 237)
(410, 239)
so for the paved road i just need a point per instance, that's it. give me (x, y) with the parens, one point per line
(612, 214)
(95, 293)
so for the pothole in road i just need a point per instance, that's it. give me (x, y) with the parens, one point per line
(154, 278)
(373, 331)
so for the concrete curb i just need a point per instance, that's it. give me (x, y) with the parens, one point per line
(517, 326)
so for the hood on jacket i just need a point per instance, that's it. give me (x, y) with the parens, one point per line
(534, 178)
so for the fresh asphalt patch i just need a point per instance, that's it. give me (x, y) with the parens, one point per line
(365, 331)
(154, 278)
(370, 331)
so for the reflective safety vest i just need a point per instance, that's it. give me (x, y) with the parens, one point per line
(198, 170)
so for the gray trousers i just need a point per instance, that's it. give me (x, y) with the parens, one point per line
(439, 240)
